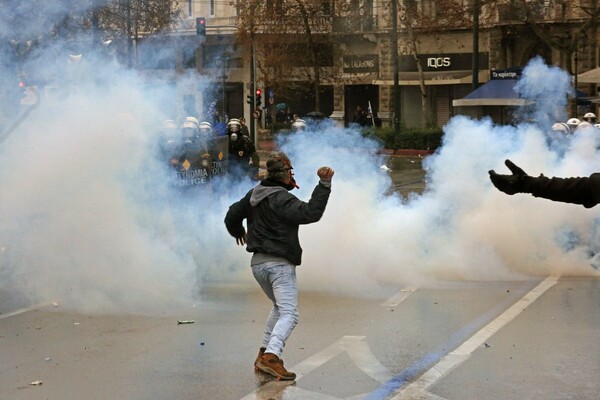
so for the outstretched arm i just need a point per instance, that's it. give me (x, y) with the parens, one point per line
(578, 190)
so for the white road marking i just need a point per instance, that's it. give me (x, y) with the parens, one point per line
(399, 297)
(363, 358)
(22, 311)
(418, 388)
(358, 351)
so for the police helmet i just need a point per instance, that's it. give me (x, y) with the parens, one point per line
(189, 128)
(298, 125)
(169, 128)
(584, 125)
(234, 125)
(573, 123)
(561, 127)
(169, 124)
(192, 120)
(205, 128)
(590, 117)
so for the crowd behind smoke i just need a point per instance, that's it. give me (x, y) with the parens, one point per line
(88, 220)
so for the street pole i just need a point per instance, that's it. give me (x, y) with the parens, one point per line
(95, 33)
(223, 76)
(253, 88)
(129, 40)
(475, 83)
(394, 46)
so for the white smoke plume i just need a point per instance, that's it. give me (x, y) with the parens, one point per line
(461, 228)
(88, 220)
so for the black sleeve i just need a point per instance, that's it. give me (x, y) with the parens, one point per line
(234, 219)
(251, 149)
(296, 211)
(581, 190)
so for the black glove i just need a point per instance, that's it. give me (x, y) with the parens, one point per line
(518, 182)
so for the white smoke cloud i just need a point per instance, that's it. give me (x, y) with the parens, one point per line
(88, 220)
(461, 227)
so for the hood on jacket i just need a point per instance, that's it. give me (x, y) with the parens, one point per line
(261, 192)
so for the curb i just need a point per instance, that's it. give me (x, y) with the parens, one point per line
(270, 145)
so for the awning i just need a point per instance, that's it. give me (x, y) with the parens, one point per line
(591, 76)
(498, 92)
(434, 78)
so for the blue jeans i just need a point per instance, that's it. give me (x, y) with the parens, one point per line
(278, 281)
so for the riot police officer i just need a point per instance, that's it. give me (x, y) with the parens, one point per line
(169, 142)
(193, 159)
(243, 158)
(298, 126)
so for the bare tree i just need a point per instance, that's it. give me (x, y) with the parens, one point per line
(134, 19)
(560, 24)
(292, 40)
(429, 18)
(563, 25)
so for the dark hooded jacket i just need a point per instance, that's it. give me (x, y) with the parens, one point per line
(274, 215)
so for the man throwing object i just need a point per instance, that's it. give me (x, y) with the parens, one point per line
(273, 218)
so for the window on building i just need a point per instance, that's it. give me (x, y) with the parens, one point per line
(324, 54)
(189, 105)
(212, 8)
(424, 7)
(189, 57)
(190, 11)
(221, 57)
(275, 6)
(326, 6)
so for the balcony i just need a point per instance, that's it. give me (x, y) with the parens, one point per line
(354, 24)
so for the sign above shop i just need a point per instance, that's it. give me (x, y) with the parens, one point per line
(442, 62)
(361, 63)
(509, 73)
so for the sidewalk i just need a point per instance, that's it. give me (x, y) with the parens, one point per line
(268, 144)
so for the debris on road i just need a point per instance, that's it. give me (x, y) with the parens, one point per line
(36, 383)
(181, 322)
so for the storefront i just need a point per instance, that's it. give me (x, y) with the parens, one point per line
(445, 76)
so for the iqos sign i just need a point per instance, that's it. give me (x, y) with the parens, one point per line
(442, 62)
(438, 62)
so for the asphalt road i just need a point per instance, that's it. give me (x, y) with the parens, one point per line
(495, 340)
(535, 339)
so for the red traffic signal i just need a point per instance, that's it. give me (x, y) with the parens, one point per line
(258, 98)
(201, 26)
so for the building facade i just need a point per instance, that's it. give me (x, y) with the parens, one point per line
(440, 71)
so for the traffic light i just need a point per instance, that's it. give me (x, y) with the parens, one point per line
(22, 90)
(249, 99)
(201, 26)
(258, 99)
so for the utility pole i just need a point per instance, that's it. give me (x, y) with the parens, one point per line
(253, 88)
(95, 33)
(129, 39)
(475, 84)
(394, 49)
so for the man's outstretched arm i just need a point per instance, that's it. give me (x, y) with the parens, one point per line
(578, 190)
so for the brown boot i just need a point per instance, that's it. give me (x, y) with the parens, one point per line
(272, 365)
(261, 351)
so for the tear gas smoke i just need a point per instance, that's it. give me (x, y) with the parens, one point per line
(87, 219)
(460, 227)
